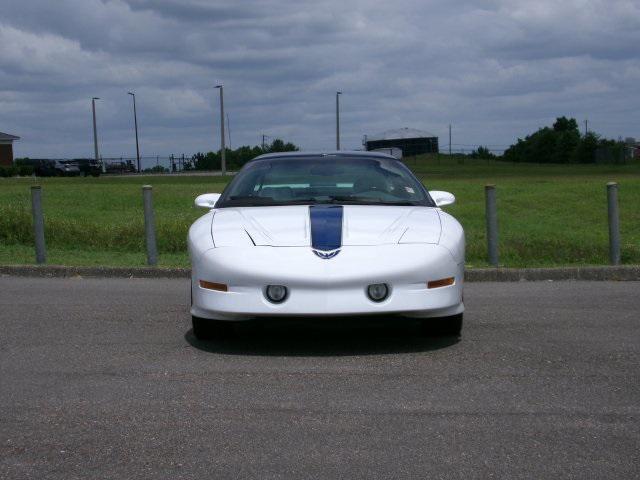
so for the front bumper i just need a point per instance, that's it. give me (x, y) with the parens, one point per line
(318, 287)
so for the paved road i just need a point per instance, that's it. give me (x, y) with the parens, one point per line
(103, 379)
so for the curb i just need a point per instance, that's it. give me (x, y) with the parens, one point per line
(603, 273)
(60, 271)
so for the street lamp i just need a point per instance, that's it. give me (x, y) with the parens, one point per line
(95, 133)
(222, 146)
(338, 120)
(135, 122)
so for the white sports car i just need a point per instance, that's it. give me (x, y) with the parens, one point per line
(326, 234)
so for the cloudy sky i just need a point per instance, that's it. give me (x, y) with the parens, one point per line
(494, 69)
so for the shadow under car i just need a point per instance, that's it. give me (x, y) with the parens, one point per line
(334, 336)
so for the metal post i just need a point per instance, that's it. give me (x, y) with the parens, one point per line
(149, 225)
(135, 122)
(95, 134)
(492, 224)
(614, 223)
(223, 161)
(338, 120)
(38, 223)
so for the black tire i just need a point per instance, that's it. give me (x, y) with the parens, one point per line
(446, 326)
(205, 329)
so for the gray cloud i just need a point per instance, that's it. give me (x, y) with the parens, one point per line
(495, 69)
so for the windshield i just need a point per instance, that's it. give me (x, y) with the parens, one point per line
(317, 180)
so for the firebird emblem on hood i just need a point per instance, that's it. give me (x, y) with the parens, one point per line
(326, 255)
(326, 230)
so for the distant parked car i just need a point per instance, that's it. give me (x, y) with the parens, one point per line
(88, 166)
(66, 168)
(120, 167)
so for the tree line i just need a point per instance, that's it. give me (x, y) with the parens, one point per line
(563, 143)
(560, 143)
(235, 159)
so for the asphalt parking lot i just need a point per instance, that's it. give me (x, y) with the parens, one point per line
(102, 378)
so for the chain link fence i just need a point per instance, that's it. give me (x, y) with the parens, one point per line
(149, 164)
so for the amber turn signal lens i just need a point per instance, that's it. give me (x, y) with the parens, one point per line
(443, 282)
(221, 287)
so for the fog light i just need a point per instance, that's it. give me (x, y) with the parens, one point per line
(276, 293)
(377, 292)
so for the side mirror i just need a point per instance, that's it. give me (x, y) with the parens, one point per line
(442, 198)
(207, 200)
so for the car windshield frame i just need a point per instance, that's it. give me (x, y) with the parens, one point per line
(386, 168)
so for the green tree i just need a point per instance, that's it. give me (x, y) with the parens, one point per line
(586, 150)
(560, 144)
(235, 159)
(564, 124)
(482, 152)
(278, 145)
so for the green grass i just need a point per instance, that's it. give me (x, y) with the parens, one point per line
(548, 214)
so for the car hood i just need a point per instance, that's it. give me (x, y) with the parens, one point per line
(290, 226)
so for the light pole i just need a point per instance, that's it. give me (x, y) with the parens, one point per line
(95, 133)
(135, 122)
(338, 120)
(223, 163)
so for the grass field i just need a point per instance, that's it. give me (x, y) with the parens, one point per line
(548, 214)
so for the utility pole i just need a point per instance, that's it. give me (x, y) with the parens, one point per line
(222, 145)
(338, 120)
(229, 132)
(95, 134)
(449, 140)
(135, 122)
(586, 127)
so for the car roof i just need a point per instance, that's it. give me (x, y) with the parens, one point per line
(333, 154)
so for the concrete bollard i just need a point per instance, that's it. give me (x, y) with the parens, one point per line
(38, 223)
(149, 225)
(492, 224)
(614, 223)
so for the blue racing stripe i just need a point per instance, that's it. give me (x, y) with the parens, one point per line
(326, 227)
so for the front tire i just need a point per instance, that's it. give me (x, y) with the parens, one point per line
(446, 326)
(206, 329)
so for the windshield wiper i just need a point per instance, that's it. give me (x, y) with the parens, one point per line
(251, 200)
(367, 200)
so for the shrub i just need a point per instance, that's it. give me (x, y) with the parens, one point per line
(8, 171)
(25, 170)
